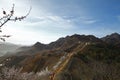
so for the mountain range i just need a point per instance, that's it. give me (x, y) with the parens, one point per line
(76, 57)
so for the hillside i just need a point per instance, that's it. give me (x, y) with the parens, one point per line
(76, 57)
(7, 48)
(114, 38)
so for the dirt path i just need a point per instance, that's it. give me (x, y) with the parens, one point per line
(67, 59)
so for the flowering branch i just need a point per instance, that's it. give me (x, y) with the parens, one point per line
(10, 17)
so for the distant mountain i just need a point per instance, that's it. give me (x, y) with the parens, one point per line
(76, 57)
(39, 46)
(7, 48)
(61, 44)
(112, 39)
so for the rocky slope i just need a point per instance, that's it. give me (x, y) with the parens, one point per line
(112, 39)
(76, 57)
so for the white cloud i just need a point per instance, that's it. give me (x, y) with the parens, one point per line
(82, 19)
(87, 20)
(51, 21)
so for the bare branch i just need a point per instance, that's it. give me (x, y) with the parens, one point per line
(10, 17)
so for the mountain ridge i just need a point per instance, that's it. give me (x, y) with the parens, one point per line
(72, 57)
(113, 38)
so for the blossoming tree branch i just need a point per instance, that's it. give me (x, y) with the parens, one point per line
(10, 17)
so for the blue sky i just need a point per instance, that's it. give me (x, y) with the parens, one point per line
(52, 19)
